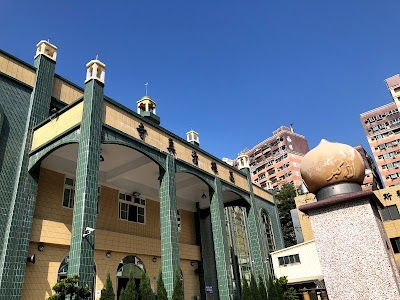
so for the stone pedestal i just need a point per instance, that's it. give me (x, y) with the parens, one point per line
(354, 252)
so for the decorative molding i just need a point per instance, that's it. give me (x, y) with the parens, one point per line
(214, 167)
(195, 158)
(171, 147)
(142, 131)
(231, 177)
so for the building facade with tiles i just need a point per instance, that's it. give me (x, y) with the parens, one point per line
(277, 159)
(382, 129)
(90, 186)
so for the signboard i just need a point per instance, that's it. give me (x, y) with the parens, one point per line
(209, 289)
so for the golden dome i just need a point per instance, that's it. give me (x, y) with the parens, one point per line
(331, 163)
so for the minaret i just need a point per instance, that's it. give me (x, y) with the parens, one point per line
(193, 138)
(146, 107)
(352, 246)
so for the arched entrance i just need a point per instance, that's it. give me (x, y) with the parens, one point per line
(128, 264)
(63, 273)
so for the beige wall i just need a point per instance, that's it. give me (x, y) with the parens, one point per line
(127, 123)
(65, 92)
(57, 125)
(41, 276)
(52, 227)
(17, 70)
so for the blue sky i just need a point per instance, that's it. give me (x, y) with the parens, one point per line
(232, 70)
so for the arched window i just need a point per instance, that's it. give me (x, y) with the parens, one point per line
(268, 231)
(63, 273)
(128, 264)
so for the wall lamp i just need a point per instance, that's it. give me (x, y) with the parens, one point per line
(135, 194)
(31, 259)
(40, 247)
(154, 259)
(204, 196)
(108, 254)
(192, 263)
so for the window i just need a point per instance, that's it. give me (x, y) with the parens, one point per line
(268, 231)
(395, 244)
(389, 213)
(178, 220)
(69, 194)
(289, 259)
(132, 209)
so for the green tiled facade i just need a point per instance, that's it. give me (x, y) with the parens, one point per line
(81, 257)
(169, 225)
(208, 255)
(220, 242)
(258, 249)
(23, 107)
(16, 224)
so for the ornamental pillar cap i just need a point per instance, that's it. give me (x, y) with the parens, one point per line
(95, 70)
(331, 164)
(243, 161)
(146, 104)
(46, 49)
(193, 137)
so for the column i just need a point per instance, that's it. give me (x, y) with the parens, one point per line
(257, 249)
(208, 255)
(220, 242)
(169, 225)
(15, 224)
(81, 257)
(234, 258)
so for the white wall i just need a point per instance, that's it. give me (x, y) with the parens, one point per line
(307, 269)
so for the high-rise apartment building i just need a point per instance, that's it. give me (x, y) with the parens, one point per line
(277, 159)
(372, 180)
(382, 129)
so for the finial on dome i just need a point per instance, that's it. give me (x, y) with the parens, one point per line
(329, 165)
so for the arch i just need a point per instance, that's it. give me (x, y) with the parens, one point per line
(41, 153)
(243, 201)
(182, 167)
(111, 136)
(268, 230)
(63, 273)
(130, 263)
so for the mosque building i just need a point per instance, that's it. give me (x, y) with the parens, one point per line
(90, 187)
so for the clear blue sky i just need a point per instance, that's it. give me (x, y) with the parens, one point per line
(218, 66)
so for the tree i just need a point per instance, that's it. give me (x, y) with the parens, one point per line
(255, 293)
(289, 293)
(262, 290)
(129, 293)
(107, 293)
(246, 293)
(285, 198)
(178, 288)
(68, 288)
(145, 290)
(161, 291)
(275, 291)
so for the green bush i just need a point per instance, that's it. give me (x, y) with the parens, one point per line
(178, 288)
(262, 290)
(68, 288)
(145, 290)
(129, 293)
(255, 293)
(161, 291)
(246, 293)
(107, 293)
